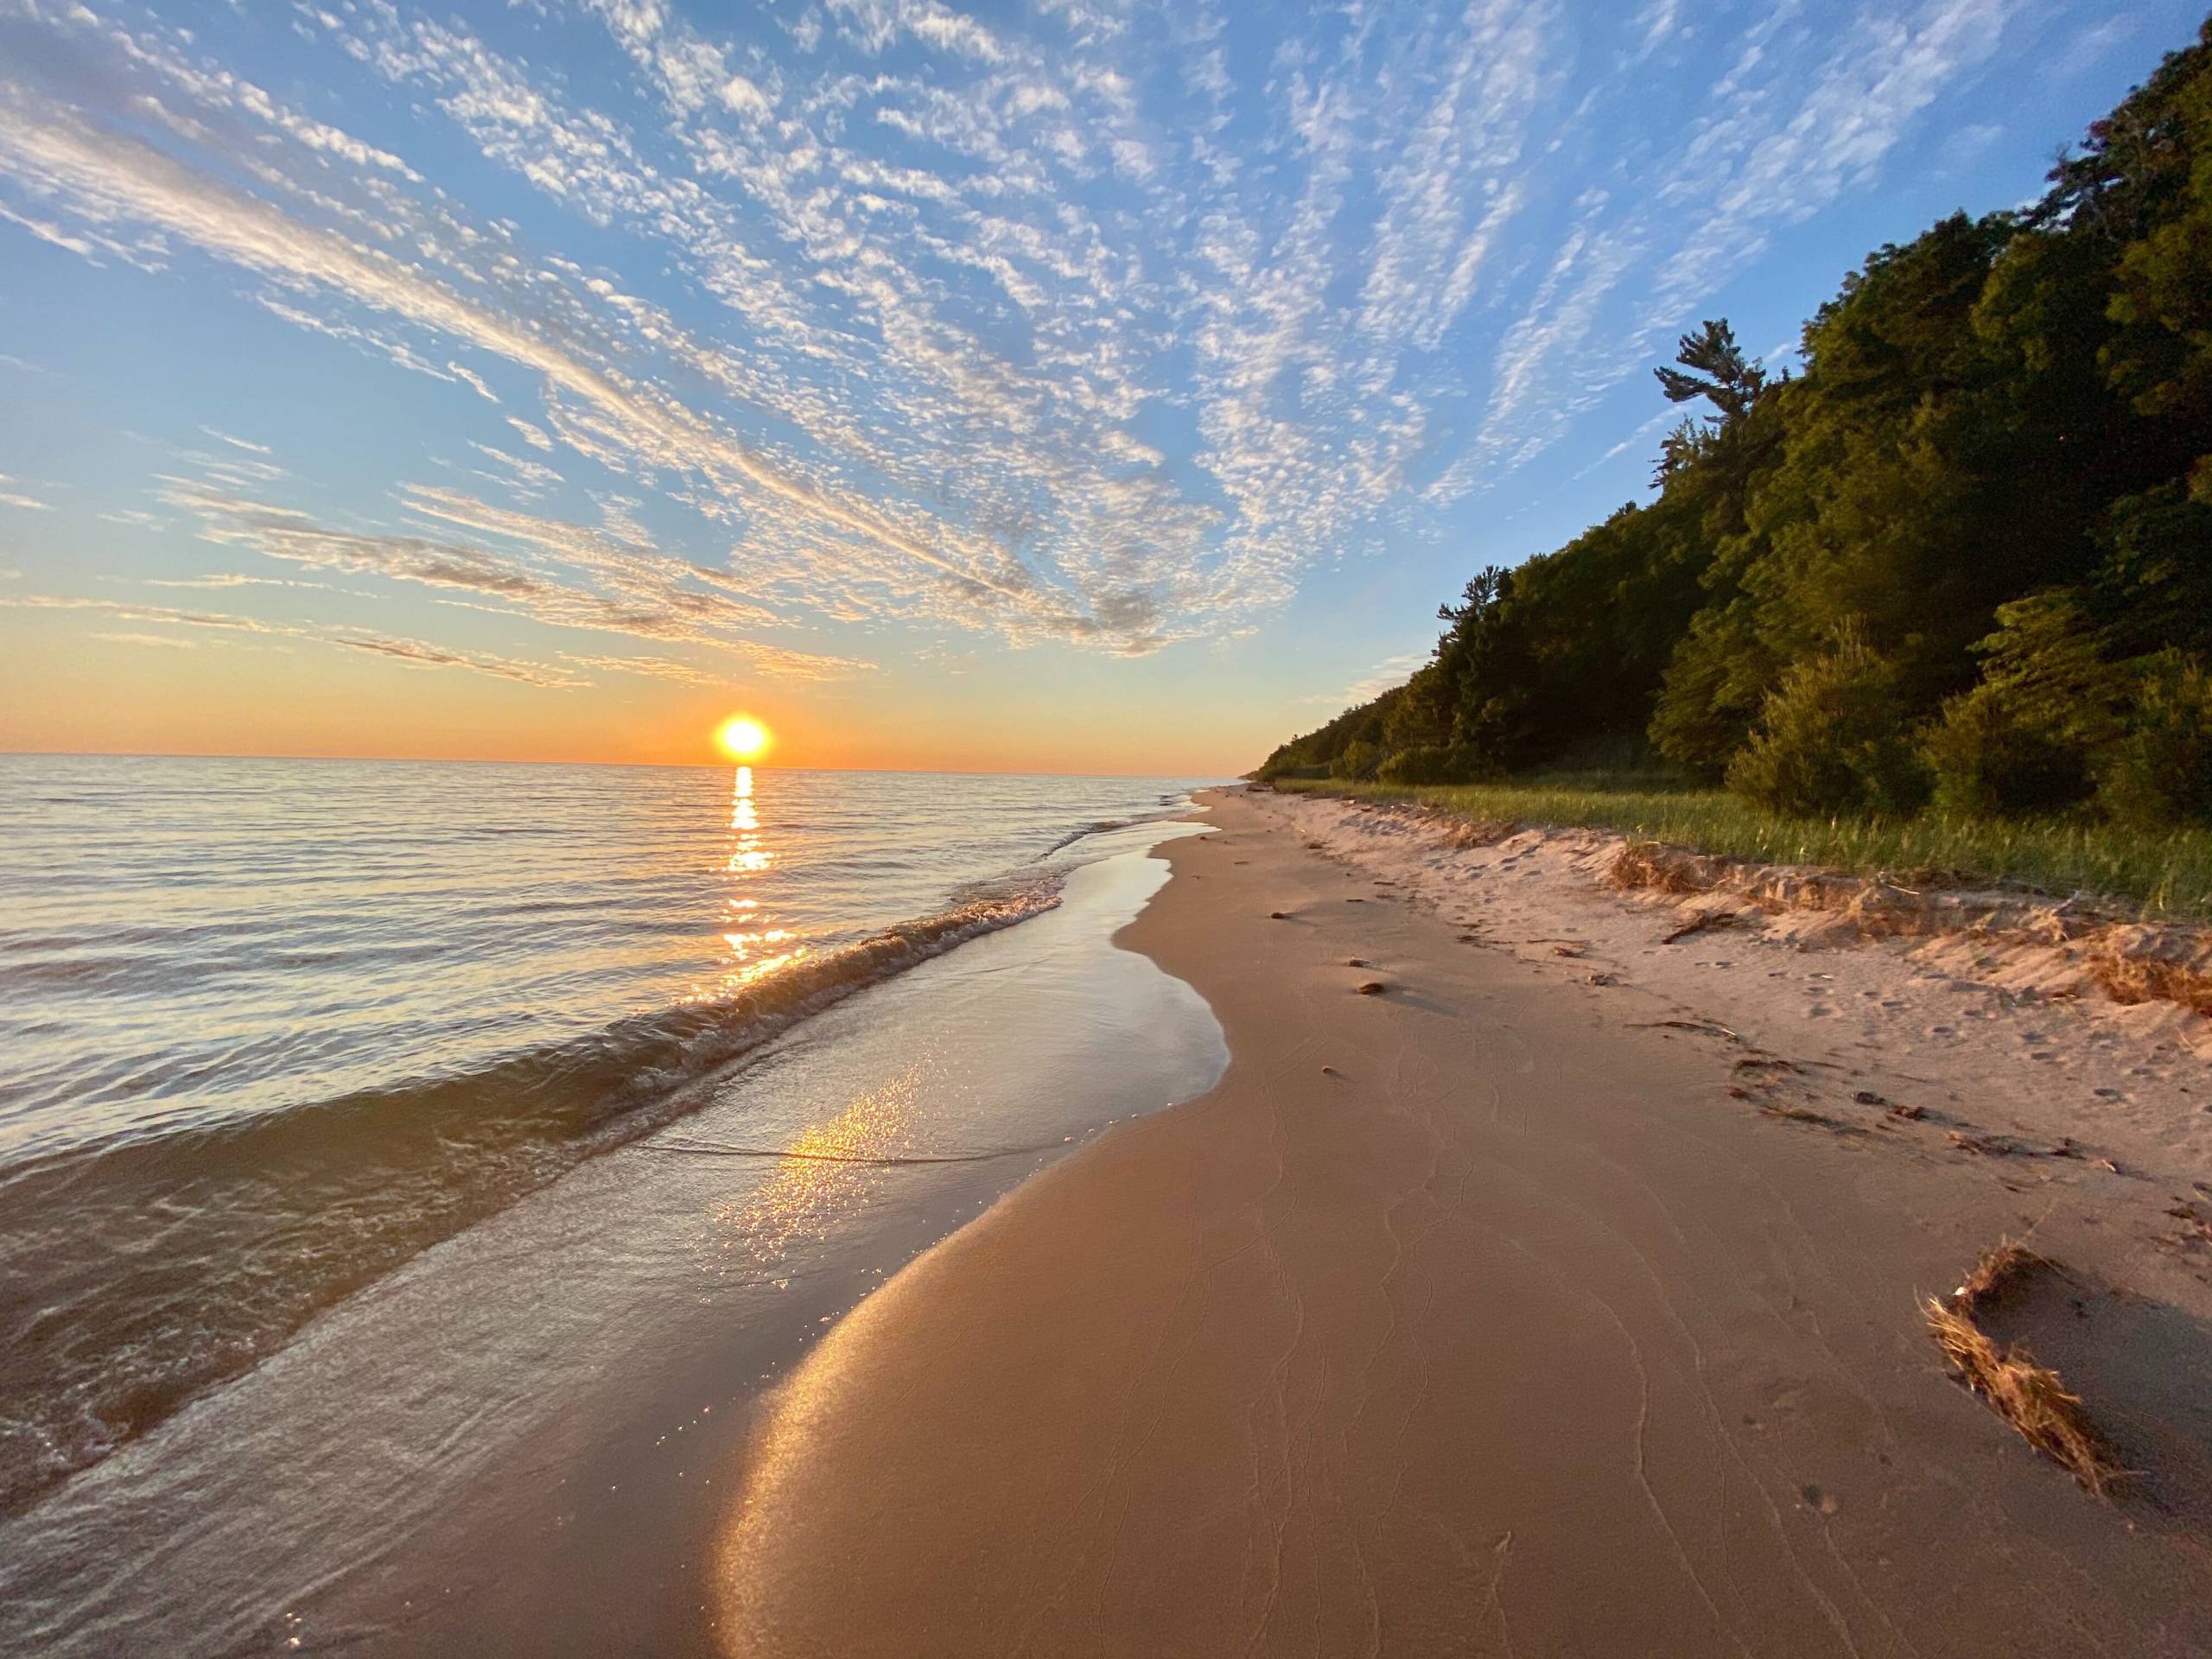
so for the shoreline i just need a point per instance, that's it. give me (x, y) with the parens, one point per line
(1473, 1313)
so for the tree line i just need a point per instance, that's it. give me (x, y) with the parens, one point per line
(1962, 556)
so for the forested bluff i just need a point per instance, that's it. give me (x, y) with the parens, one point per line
(1961, 559)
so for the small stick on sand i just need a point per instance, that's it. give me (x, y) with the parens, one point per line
(1700, 923)
(1987, 1145)
(1701, 1027)
(1794, 1114)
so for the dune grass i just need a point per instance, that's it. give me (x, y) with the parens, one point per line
(2162, 875)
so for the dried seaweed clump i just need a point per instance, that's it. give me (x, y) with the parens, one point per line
(2029, 1397)
(1465, 833)
(1647, 864)
(2129, 980)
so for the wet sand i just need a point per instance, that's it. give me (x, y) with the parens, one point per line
(1472, 1315)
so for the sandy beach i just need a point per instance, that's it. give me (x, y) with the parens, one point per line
(1485, 1306)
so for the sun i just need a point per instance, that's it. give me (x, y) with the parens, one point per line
(742, 738)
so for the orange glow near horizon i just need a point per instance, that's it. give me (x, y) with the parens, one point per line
(742, 738)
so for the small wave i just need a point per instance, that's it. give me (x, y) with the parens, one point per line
(711, 1149)
(1171, 808)
(1099, 827)
(138, 1273)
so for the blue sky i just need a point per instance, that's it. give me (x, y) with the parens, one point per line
(1073, 384)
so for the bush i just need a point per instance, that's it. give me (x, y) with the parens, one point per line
(2160, 772)
(1991, 760)
(1428, 763)
(1832, 739)
(1358, 761)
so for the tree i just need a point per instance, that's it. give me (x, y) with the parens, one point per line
(1718, 372)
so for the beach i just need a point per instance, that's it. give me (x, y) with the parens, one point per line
(1496, 1302)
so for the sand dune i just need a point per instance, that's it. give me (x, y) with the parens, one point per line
(1486, 1313)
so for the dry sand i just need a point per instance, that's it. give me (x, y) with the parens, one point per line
(1478, 1315)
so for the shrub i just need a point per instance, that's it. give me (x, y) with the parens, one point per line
(1428, 763)
(1991, 759)
(2160, 772)
(1358, 761)
(1831, 740)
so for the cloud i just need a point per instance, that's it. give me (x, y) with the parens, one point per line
(236, 443)
(550, 571)
(170, 641)
(473, 380)
(1387, 675)
(414, 652)
(418, 653)
(110, 175)
(530, 476)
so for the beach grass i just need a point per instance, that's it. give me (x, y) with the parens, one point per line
(2162, 875)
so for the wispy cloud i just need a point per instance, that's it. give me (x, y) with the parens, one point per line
(414, 652)
(1390, 673)
(166, 641)
(246, 444)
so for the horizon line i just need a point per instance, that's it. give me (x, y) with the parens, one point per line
(686, 766)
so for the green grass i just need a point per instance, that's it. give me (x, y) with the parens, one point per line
(2161, 874)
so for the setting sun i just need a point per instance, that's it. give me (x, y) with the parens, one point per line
(742, 738)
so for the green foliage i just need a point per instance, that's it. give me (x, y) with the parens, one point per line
(1714, 689)
(1992, 479)
(1833, 739)
(1989, 758)
(1360, 760)
(1715, 370)
(1316, 753)
(2160, 772)
(1430, 763)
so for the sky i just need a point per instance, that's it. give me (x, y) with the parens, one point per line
(1067, 385)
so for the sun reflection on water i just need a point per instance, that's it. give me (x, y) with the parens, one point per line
(829, 1169)
(757, 949)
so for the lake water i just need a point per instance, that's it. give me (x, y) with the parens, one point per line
(271, 1030)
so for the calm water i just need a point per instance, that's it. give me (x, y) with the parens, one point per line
(269, 1029)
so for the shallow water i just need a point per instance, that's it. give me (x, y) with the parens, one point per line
(270, 1029)
(519, 1441)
